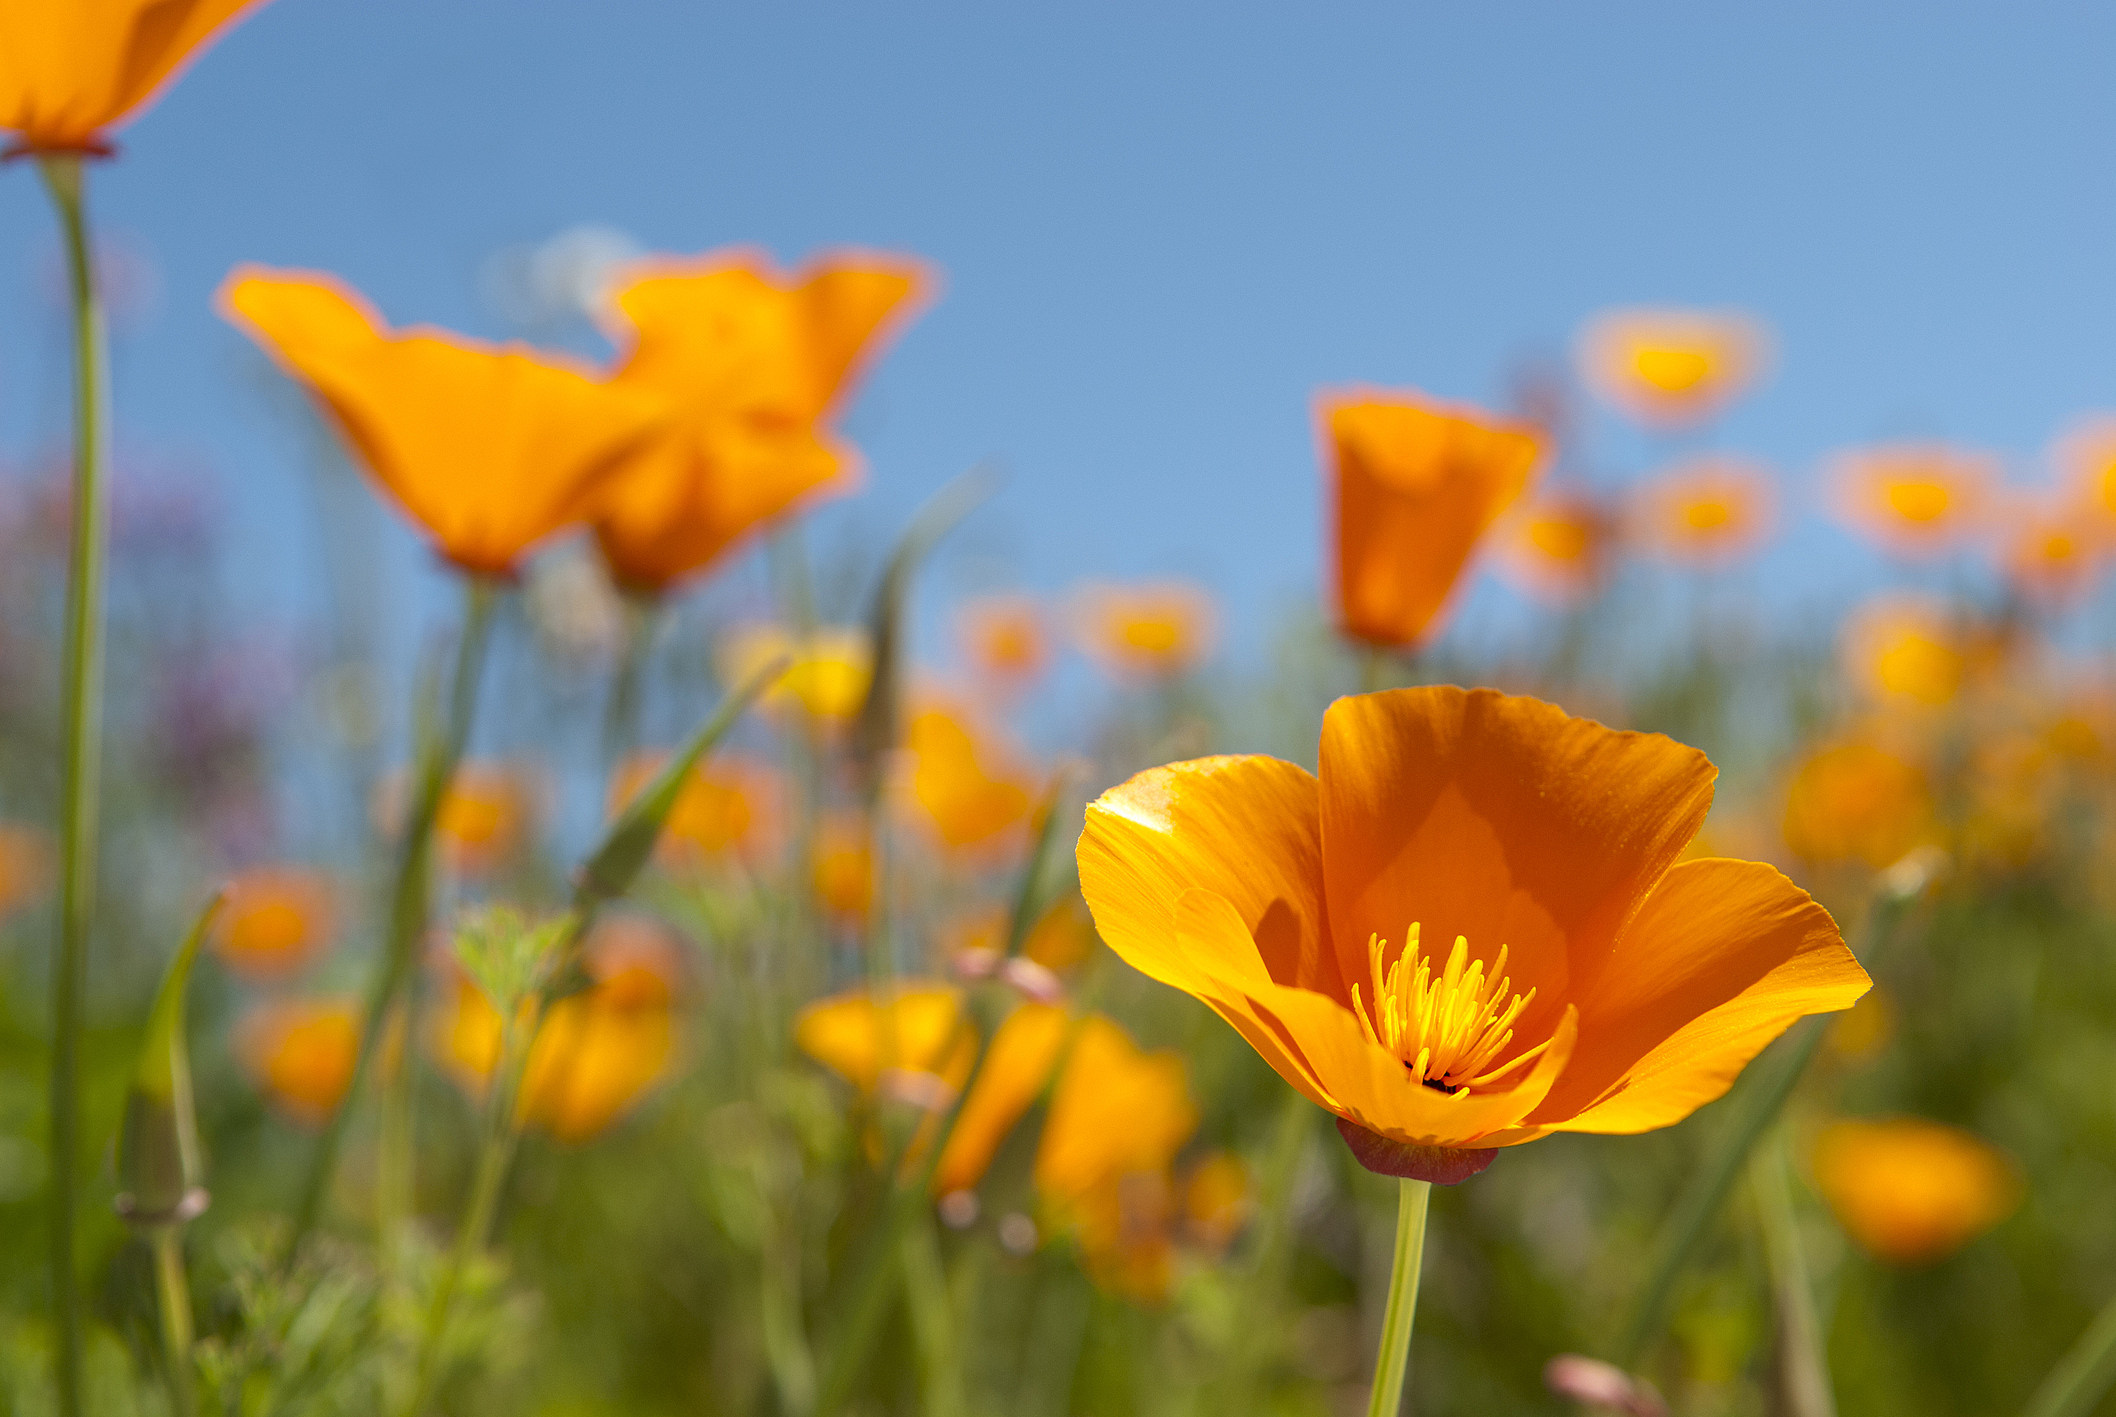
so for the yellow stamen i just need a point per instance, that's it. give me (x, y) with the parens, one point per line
(1448, 1031)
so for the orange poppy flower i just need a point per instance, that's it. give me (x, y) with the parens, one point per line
(1024, 1050)
(731, 807)
(490, 449)
(25, 866)
(1219, 1197)
(301, 1053)
(2085, 456)
(827, 680)
(1913, 499)
(2050, 552)
(1706, 513)
(1002, 637)
(1578, 979)
(754, 362)
(1671, 368)
(1118, 1116)
(1061, 938)
(1555, 546)
(1857, 802)
(274, 920)
(485, 816)
(1415, 486)
(1154, 631)
(964, 786)
(1905, 650)
(70, 72)
(1910, 1191)
(843, 869)
(919, 1029)
(597, 1053)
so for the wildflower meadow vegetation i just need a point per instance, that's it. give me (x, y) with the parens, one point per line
(1573, 1022)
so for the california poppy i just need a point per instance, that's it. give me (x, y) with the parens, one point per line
(1903, 650)
(275, 920)
(1415, 485)
(754, 362)
(1911, 1191)
(1857, 801)
(1671, 367)
(1003, 638)
(2049, 552)
(1913, 499)
(827, 680)
(70, 72)
(966, 787)
(918, 1028)
(730, 807)
(301, 1054)
(1555, 546)
(490, 449)
(1705, 513)
(1152, 631)
(841, 868)
(1470, 930)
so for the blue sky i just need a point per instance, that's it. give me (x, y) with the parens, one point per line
(1162, 227)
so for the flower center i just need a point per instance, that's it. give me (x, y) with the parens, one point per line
(1446, 1029)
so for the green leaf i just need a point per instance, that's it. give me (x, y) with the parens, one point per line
(158, 1154)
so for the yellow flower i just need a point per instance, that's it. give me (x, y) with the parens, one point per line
(843, 868)
(1556, 546)
(1856, 801)
(828, 677)
(965, 786)
(2051, 550)
(730, 806)
(1913, 499)
(1414, 487)
(1146, 632)
(274, 921)
(1671, 367)
(1910, 1191)
(1705, 513)
(1577, 979)
(1219, 1196)
(919, 1029)
(70, 71)
(1017, 1066)
(301, 1053)
(1003, 638)
(1905, 650)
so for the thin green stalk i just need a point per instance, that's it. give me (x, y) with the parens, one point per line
(2083, 1375)
(1373, 669)
(1264, 1277)
(438, 756)
(1803, 1370)
(173, 1292)
(786, 1350)
(1394, 1359)
(395, 1175)
(81, 713)
(932, 1320)
(620, 725)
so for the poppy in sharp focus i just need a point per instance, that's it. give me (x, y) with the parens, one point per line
(1470, 929)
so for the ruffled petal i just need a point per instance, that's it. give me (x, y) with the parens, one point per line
(1722, 958)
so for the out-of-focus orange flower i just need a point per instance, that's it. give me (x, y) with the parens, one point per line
(1555, 546)
(1905, 650)
(1059, 940)
(753, 361)
(1219, 1197)
(597, 1053)
(2015, 785)
(490, 449)
(1118, 1117)
(2085, 457)
(843, 868)
(919, 1029)
(828, 676)
(25, 866)
(275, 920)
(485, 814)
(1003, 638)
(1671, 368)
(1154, 631)
(730, 806)
(2051, 552)
(964, 785)
(1528, 846)
(1913, 499)
(70, 71)
(1910, 1191)
(1857, 801)
(301, 1054)
(1414, 486)
(1018, 1065)
(1705, 513)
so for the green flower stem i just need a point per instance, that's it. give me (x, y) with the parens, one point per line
(1394, 1359)
(620, 725)
(439, 754)
(2083, 1375)
(173, 1292)
(1802, 1366)
(81, 758)
(932, 1319)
